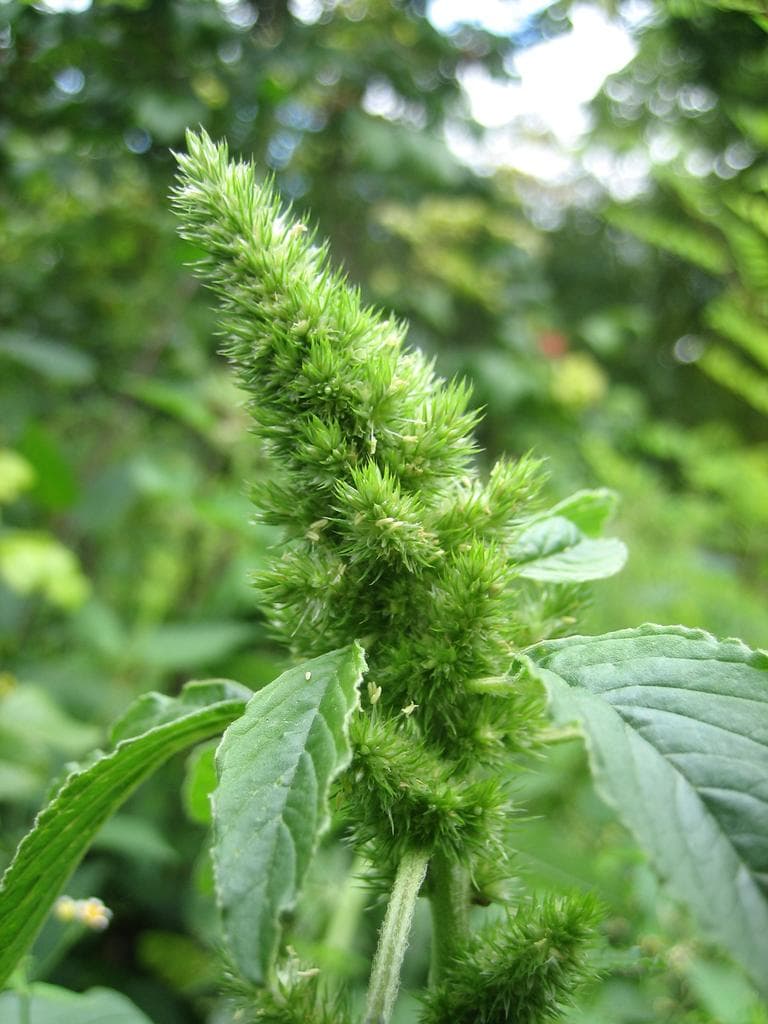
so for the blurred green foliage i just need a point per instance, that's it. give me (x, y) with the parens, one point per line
(628, 343)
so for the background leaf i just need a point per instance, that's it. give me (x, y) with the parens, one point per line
(677, 730)
(59, 362)
(589, 510)
(65, 829)
(48, 1004)
(174, 645)
(31, 716)
(275, 767)
(554, 550)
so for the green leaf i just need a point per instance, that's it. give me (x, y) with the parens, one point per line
(181, 963)
(680, 237)
(722, 991)
(65, 829)
(153, 709)
(49, 1004)
(676, 724)
(55, 483)
(740, 375)
(63, 364)
(184, 401)
(554, 550)
(200, 783)
(19, 784)
(191, 645)
(136, 839)
(589, 510)
(30, 717)
(275, 768)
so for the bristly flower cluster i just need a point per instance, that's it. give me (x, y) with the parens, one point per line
(522, 970)
(394, 539)
(392, 536)
(297, 997)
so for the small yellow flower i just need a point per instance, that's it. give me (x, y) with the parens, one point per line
(65, 909)
(94, 914)
(90, 912)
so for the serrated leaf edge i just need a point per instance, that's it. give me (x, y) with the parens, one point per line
(756, 658)
(90, 775)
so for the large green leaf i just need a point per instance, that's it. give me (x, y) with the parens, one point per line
(275, 767)
(48, 1004)
(64, 830)
(676, 724)
(555, 550)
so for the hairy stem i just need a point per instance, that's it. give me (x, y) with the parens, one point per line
(449, 899)
(393, 938)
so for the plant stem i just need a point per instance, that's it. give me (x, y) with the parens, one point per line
(449, 899)
(393, 938)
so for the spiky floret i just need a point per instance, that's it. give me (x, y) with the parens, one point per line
(397, 783)
(391, 536)
(522, 970)
(331, 385)
(297, 997)
(488, 510)
(381, 524)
